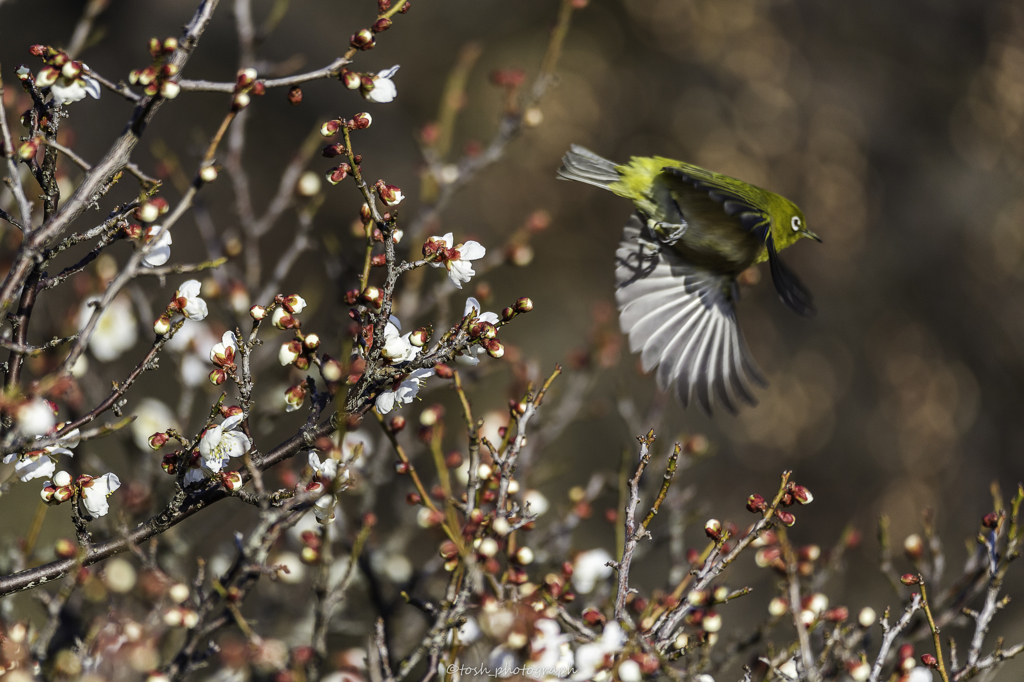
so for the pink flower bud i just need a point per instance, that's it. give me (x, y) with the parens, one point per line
(294, 397)
(913, 546)
(170, 463)
(257, 312)
(47, 76)
(330, 369)
(332, 150)
(233, 480)
(28, 149)
(420, 337)
(155, 47)
(158, 440)
(147, 212)
(338, 173)
(389, 194)
(756, 503)
(218, 377)
(282, 320)
(785, 518)
(230, 411)
(350, 79)
(483, 330)
(909, 579)
(147, 75)
(713, 529)
(169, 89)
(71, 70)
(373, 296)
(802, 494)
(246, 77)
(443, 371)
(289, 352)
(523, 305)
(293, 303)
(381, 24)
(330, 128)
(208, 173)
(363, 40)
(361, 121)
(494, 348)
(295, 95)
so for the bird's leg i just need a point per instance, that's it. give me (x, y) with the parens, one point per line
(668, 233)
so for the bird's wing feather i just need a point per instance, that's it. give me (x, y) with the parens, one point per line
(791, 290)
(735, 200)
(681, 318)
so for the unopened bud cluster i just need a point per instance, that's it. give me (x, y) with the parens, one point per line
(246, 87)
(158, 77)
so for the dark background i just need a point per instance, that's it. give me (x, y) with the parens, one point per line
(897, 127)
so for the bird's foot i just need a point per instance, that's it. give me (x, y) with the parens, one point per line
(668, 233)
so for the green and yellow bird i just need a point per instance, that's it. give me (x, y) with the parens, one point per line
(693, 233)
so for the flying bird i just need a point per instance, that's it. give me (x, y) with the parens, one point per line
(693, 232)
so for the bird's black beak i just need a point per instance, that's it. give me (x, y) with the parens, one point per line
(812, 236)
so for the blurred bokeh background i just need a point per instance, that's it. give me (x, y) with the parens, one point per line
(897, 127)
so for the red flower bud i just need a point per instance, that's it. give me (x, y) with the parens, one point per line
(381, 24)
(295, 95)
(785, 518)
(756, 503)
(158, 440)
(909, 579)
(444, 371)
(523, 305)
(363, 40)
(359, 122)
(929, 661)
(713, 529)
(330, 128)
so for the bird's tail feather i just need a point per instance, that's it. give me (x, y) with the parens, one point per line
(583, 165)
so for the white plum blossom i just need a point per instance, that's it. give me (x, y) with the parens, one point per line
(70, 86)
(35, 418)
(115, 332)
(160, 251)
(40, 463)
(590, 657)
(151, 416)
(32, 465)
(589, 568)
(187, 298)
(920, 674)
(326, 469)
(323, 508)
(228, 345)
(456, 258)
(397, 348)
(95, 492)
(550, 648)
(222, 442)
(471, 356)
(384, 89)
(405, 392)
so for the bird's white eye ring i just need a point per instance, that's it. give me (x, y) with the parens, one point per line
(795, 223)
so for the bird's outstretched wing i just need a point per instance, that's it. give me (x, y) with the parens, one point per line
(732, 198)
(742, 207)
(681, 318)
(791, 290)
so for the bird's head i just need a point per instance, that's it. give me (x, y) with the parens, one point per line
(789, 225)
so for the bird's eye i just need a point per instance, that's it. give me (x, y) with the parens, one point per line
(795, 223)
